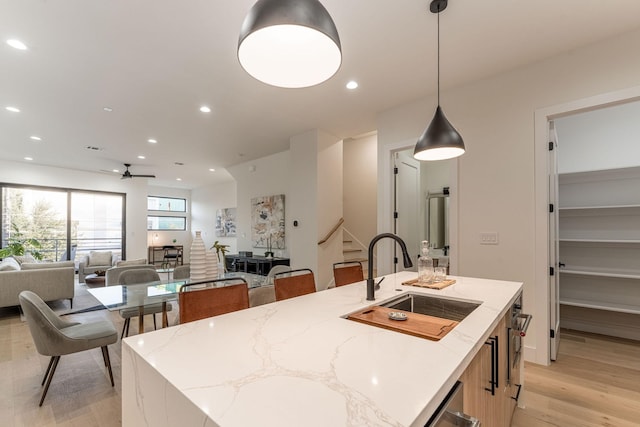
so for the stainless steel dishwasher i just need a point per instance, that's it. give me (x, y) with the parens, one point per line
(450, 412)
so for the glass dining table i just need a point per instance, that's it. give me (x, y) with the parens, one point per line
(120, 297)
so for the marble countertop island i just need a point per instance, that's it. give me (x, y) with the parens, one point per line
(300, 362)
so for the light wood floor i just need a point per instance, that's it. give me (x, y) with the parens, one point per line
(595, 382)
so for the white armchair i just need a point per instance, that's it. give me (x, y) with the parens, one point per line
(95, 261)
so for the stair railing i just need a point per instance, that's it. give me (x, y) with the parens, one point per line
(332, 232)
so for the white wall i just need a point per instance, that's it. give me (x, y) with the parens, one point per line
(135, 190)
(303, 201)
(360, 198)
(161, 238)
(309, 176)
(205, 202)
(267, 176)
(330, 206)
(496, 175)
(602, 139)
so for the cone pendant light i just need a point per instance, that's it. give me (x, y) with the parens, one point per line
(440, 140)
(289, 43)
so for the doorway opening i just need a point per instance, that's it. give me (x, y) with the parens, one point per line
(546, 285)
(413, 187)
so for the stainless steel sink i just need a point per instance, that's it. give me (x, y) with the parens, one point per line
(444, 308)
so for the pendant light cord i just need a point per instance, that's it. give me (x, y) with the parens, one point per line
(438, 57)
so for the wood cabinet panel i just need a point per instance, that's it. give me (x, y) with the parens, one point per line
(491, 409)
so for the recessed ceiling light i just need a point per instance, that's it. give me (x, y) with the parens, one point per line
(17, 44)
(152, 141)
(13, 109)
(212, 170)
(178, 179)
(28, 158)
(35, 138)
(352, 85)
(142, 157)
(108, 109)
(115, 170)
(205, 109)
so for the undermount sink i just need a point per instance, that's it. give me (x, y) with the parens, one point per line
(426, 316)
(444, 308)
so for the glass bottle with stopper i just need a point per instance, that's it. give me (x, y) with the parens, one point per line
(425, 265)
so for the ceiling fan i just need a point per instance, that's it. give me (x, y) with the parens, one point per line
(129, 175)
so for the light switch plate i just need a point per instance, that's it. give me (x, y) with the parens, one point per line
(489, 238)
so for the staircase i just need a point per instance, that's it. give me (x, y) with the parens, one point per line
(354, 250)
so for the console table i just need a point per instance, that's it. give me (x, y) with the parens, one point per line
(254, 264)
(156, 254)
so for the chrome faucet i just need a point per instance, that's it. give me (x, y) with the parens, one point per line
(371, 288)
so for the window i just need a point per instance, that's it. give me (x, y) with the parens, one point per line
(97, 221)
(166, 223)
(166, 204)
(29, 213)
(170, 221)
(66, 223)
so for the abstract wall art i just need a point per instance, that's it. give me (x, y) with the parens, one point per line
(267, 222)
(226, 222)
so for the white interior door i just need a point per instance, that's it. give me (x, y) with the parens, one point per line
(554, 250)
(407, 205)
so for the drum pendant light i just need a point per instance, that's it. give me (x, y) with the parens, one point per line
(440, 140)
(289, 43)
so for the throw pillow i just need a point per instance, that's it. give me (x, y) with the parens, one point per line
(99, 258)
(24, 258)
(9, 264)
(123, 263)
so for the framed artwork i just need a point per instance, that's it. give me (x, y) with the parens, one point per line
(267, 222)
(226, 222)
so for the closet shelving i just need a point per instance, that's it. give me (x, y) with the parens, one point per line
(599, 237)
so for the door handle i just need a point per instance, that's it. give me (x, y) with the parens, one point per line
(517, 396)
(464, 420)
(493, 343)
(527, 319)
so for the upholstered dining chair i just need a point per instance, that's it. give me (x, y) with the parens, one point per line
(201, 300)
(133, 277)
(56, 337)
(261, 295)
(345, 273)
(294, 283)
(275, 270)
(182, 272)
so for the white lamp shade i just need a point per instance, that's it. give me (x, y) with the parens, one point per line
(289, 43)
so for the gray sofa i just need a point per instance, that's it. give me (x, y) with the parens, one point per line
(50, 281)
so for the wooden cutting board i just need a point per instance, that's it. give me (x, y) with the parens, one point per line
(435, 285)
(419, 325)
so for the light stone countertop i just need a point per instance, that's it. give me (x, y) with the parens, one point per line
(299, 362)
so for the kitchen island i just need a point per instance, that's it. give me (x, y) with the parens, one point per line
(300, 362)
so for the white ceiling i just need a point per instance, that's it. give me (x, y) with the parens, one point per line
(155, 62)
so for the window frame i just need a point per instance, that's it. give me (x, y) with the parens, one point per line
(183, 218)
(167, 198)
(69, 191)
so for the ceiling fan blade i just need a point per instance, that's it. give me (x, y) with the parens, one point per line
(129, 175)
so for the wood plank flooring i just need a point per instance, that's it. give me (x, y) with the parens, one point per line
(595, 382)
